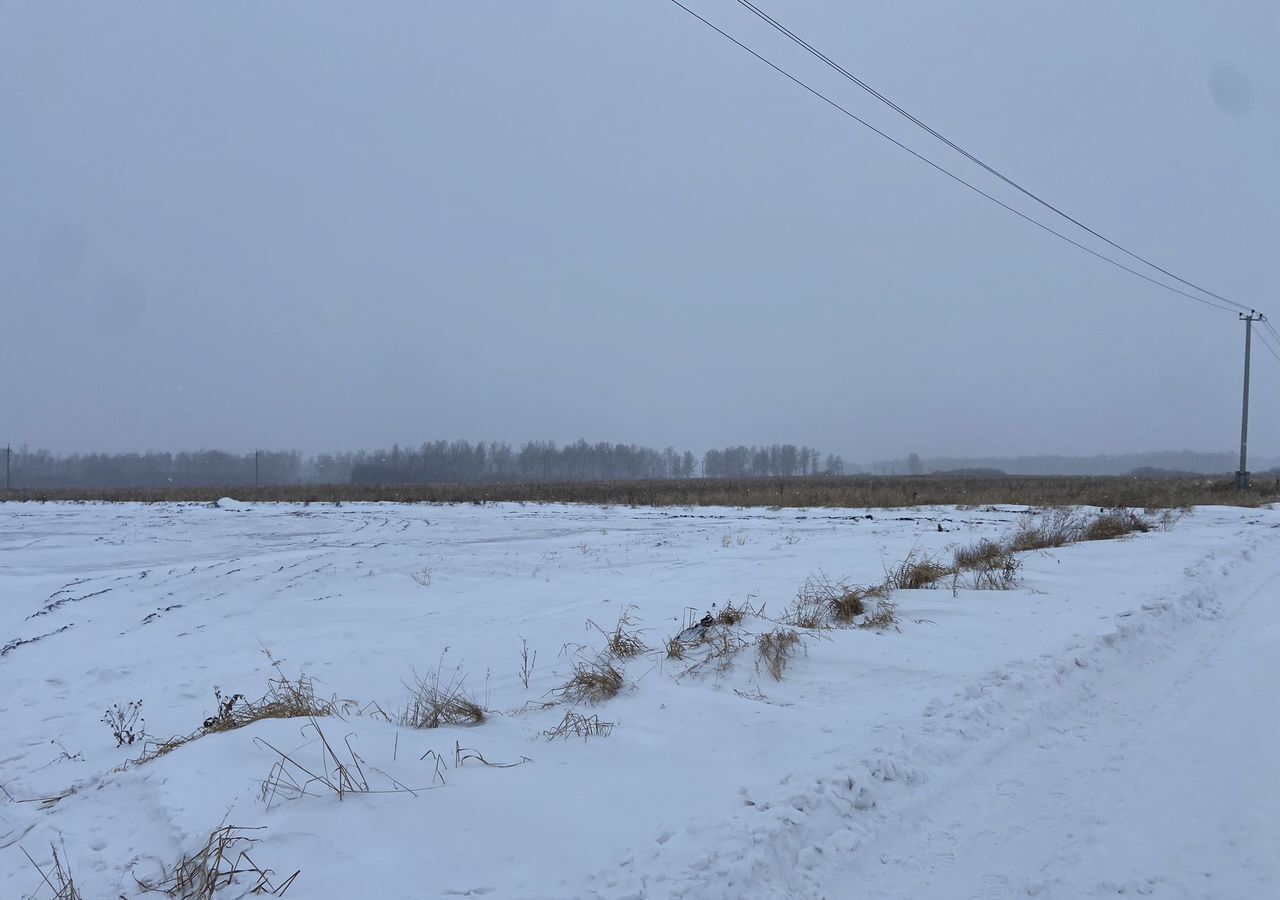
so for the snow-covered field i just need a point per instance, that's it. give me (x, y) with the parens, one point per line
(1111, 727)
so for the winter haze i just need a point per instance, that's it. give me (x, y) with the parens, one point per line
(331, 225)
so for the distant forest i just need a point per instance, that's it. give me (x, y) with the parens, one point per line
(463, 462)
(436, 462)
(1169, 462)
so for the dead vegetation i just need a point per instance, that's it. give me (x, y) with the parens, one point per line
(434, 702)
(623, 642)
(1052, 528)
(775, 648)
(336, 774)
(981, 554)
(822, 602)
(285, 698)
(916, 572)
(595, 679)
(218, 864)
(126, 723)
(733, 615)
(527, 662)
(994, 574)
(592, 681)
(574, 724)
(850, 492)
(1114, 524)
(1060, 527)
(57, 878)
(883, 617)
(707, 646)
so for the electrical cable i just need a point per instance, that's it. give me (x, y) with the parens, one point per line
(782, 29)
(1267, 343)
(947, 172)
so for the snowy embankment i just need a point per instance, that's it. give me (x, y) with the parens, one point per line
(1105, 728)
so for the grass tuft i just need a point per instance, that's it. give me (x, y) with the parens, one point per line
(916, 572)
(623, 642)
(286, 698)
(979, 555)
(1114, 524)
(775, 649)
(1053, 528)
(592, 681)
(222, 860)
(675, 648)
(822, 602)
(574, 724)
(433, 703)
(883, 617)
(732, 615)
(58, 878)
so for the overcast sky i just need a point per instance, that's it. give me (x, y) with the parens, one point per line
(323, 225)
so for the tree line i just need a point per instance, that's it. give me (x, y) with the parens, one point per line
(434, 462)
(776, 460)
(460, 462)
(40, 469)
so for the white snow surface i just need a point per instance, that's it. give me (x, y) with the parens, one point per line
(1110, 728)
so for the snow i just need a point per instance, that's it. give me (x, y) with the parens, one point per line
(1107, 729)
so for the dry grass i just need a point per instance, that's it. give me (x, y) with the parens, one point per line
(58, 877)
(999, 574)
(821, 603)
(857, 492)
(810, 607)
(222, 860)
(883, 617)
(575, 724)
(286, 698)
(592, 681)
(715, 650)
(675, 648)
(623, 642)
(1060, 527)
(993, 565)
(1114, 524)
(433, 702)
(733, 615)
(916, 572)
(853, 602)
(1052, 528)
(722, 645)
(774, 649)
(981, 554)
(335, 774)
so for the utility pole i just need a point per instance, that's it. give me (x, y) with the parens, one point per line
(7, 451)
(1242, 476)
(257, 455)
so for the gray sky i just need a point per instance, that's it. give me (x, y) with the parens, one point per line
(334, 225)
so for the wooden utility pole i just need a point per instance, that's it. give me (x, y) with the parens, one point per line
(1242, 475)
(7, 452)
(257, 456)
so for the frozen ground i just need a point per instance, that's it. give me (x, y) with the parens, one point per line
(1111, 728)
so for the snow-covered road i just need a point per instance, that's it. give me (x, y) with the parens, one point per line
(1165, 781)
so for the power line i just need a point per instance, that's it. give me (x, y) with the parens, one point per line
(1262, 337)
(1271, 328)
(954, 177)
(782, 29)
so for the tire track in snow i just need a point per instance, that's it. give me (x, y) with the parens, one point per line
(822, 837)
